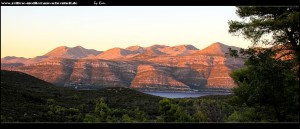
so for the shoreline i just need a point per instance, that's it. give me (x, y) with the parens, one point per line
(180, 94)
(221, 91)
(200, 91)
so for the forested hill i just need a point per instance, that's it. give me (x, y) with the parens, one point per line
(26, 98)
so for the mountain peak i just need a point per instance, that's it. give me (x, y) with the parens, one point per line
(10, 57)
(158, 46)
(113, 53)
(13, 59)
(218, 44)
(62, 47)
(79, 47)
(74, 52)
(136, 47)
(115, 48)
(215, 49)
(186, 46)
(56, 51)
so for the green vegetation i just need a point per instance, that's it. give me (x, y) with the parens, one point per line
(172, 112)
(260, 23)
(28, 99)
(268, 86)
(282, 23)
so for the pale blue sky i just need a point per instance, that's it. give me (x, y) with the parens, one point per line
(31, 31)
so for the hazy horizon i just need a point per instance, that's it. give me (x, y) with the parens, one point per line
(33, 31)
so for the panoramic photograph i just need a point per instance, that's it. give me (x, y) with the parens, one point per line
(150, 64)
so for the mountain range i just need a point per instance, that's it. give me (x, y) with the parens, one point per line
(157, 67)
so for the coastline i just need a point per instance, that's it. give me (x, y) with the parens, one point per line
(191, 91)
(180, 94)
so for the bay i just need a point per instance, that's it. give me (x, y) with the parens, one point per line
(183, 94)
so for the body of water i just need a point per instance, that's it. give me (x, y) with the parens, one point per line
(184, 94)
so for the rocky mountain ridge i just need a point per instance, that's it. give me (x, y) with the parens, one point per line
(158, 67)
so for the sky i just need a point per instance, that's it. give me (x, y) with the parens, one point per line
(29, 31)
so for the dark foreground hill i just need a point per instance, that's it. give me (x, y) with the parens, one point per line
(25, 98)
(28, 99)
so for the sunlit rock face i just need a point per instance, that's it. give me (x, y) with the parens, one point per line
(158, 67)
(102, 73)
(156, 78)
(55, 71)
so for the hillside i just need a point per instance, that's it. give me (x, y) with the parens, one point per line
(26, 98)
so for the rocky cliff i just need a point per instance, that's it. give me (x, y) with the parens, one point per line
(159, 67)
